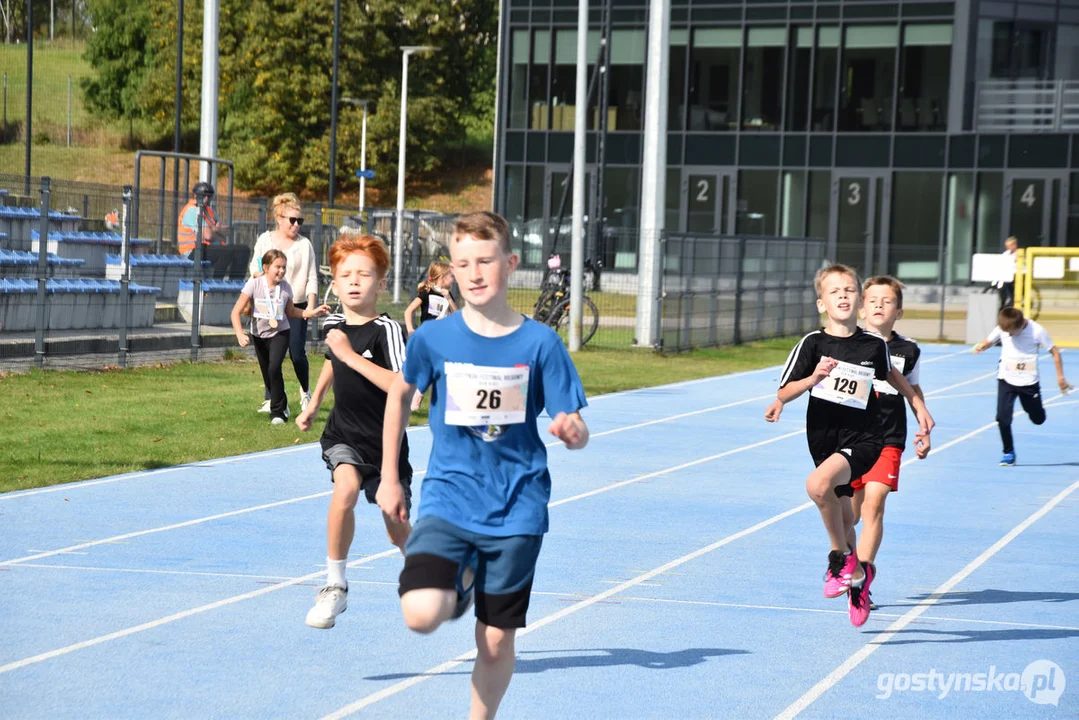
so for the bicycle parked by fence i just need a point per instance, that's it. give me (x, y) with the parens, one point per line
(552, 307)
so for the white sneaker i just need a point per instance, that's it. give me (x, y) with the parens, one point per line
(331, 601)
(305, 398)
(265, 408)
(277, 421)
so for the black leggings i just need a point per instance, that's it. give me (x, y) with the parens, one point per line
(271, 354)
(1030, 397)
(297, 350)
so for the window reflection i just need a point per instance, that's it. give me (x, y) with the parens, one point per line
(713, 82)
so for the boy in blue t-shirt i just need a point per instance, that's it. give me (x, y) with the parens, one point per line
(483, 506)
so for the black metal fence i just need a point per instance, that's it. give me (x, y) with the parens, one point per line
(87, 305)
(734, 289)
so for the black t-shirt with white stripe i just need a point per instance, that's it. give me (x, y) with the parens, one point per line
(905, 354)
(862, 348)
(359, 405)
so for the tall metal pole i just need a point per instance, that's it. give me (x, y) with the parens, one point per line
(363, 159)
(29, 87)
(333, 99)
(208, 141)
(42, 273)
(576, 266)
(401, 181)
(125, 277)
(177, 130)
(653, 175)
(399, 244)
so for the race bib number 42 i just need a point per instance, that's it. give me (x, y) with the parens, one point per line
(480, 395)
(1024, 365)
(847, 385)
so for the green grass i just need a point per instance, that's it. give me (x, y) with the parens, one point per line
(66, 426)
(53, 64)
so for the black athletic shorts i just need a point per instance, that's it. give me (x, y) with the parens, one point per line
(861, 449)
(370, 475)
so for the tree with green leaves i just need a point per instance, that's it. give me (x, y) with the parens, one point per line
(275, 82)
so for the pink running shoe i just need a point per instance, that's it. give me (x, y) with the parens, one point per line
(837, 577)
(858, 599)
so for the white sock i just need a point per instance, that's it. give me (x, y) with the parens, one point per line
(335, 572)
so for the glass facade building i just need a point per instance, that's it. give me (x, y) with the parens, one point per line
(909, 135)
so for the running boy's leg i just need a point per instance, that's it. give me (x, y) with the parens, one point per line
(491, 675)
(1030, 397)
(872, 499)
(341, 518)
(1005, 404)
(820, 485)
(507, 566)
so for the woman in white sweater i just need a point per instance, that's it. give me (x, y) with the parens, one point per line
(302, 277)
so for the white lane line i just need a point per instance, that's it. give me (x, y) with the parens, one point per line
(174, 526)
(177, 616)
(470, 655)
(555, 617)
(294, 581)
(938, 594)
(705, 603)
(676, 468)
(451, 664)
(967, 351)
(784, 608)
(759, 398)
(39, 555)
(312, 446)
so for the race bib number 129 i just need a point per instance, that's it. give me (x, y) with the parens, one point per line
(481, 395)
(847, 385)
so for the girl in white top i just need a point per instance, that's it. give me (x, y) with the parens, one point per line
(301, 275)
(270, 299)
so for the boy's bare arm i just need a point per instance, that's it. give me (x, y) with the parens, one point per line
(793, 390)
(390, 496)
(1059, 362)
(917, 402)
(325, 381)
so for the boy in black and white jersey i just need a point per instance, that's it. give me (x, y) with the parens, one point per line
(883, 306)
(838, 365)
(1017, 375)
(366, 353)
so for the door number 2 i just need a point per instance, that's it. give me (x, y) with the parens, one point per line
(702, 191)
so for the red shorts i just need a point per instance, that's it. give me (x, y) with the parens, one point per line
(886, 470)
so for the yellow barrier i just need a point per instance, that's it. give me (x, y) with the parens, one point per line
(1047, 290)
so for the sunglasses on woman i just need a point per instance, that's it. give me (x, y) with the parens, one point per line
(295, 221)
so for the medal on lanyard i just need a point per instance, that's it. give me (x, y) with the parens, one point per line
(273, 306)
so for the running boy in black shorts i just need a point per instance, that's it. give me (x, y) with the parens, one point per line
(883, 301)
(837, 366)
(365, 354)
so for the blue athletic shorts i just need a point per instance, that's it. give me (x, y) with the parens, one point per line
(504, 567)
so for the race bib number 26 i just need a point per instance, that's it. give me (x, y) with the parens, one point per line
(481, 395)
(847, 385)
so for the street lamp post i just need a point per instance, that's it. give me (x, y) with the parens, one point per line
(362, 102)
(406, 50)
